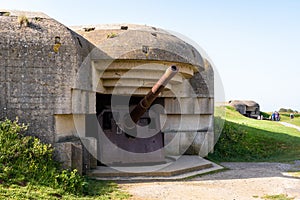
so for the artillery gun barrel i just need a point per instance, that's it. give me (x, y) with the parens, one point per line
(146, 102)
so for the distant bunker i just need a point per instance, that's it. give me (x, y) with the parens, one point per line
(247, 108)
(73, 86)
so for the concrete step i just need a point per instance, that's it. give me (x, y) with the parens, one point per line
(174, 168)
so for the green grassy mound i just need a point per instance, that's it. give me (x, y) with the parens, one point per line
(245, 139)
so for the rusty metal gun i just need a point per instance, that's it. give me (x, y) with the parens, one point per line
(146, 102)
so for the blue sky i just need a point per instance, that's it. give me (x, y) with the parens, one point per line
(255, 45)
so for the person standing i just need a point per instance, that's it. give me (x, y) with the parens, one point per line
(276, 116)
(273, 116)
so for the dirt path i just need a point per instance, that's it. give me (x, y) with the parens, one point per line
(243, 181)
(290, 125)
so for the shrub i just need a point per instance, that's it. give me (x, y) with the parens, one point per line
(290, 110)
(265, 115)
(282, 110)
(25, 159)
(287, 110)
(23, 20)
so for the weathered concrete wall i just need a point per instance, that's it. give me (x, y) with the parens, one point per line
(38, 68)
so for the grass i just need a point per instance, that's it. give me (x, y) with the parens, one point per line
(295, 121)
(294, 174)
(23, 20)
(112, 35)
(266, 125)
(245, 139)
(100, 190)
(277, 197)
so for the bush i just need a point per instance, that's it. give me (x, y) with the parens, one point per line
(265, 115)
(25, 159)
(287, 110)
(282, 110)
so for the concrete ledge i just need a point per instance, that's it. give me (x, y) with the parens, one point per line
(175, 168)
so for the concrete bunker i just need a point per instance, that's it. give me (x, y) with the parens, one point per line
(246, 107)
(65, 88)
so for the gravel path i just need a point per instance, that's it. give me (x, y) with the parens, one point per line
(290, 125)
(243, 181)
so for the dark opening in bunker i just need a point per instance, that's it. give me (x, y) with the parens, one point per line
(114, 139)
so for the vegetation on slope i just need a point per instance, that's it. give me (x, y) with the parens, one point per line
(245, 139)
(286, 118)
(27, 171)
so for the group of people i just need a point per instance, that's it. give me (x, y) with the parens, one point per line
(275, 116)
